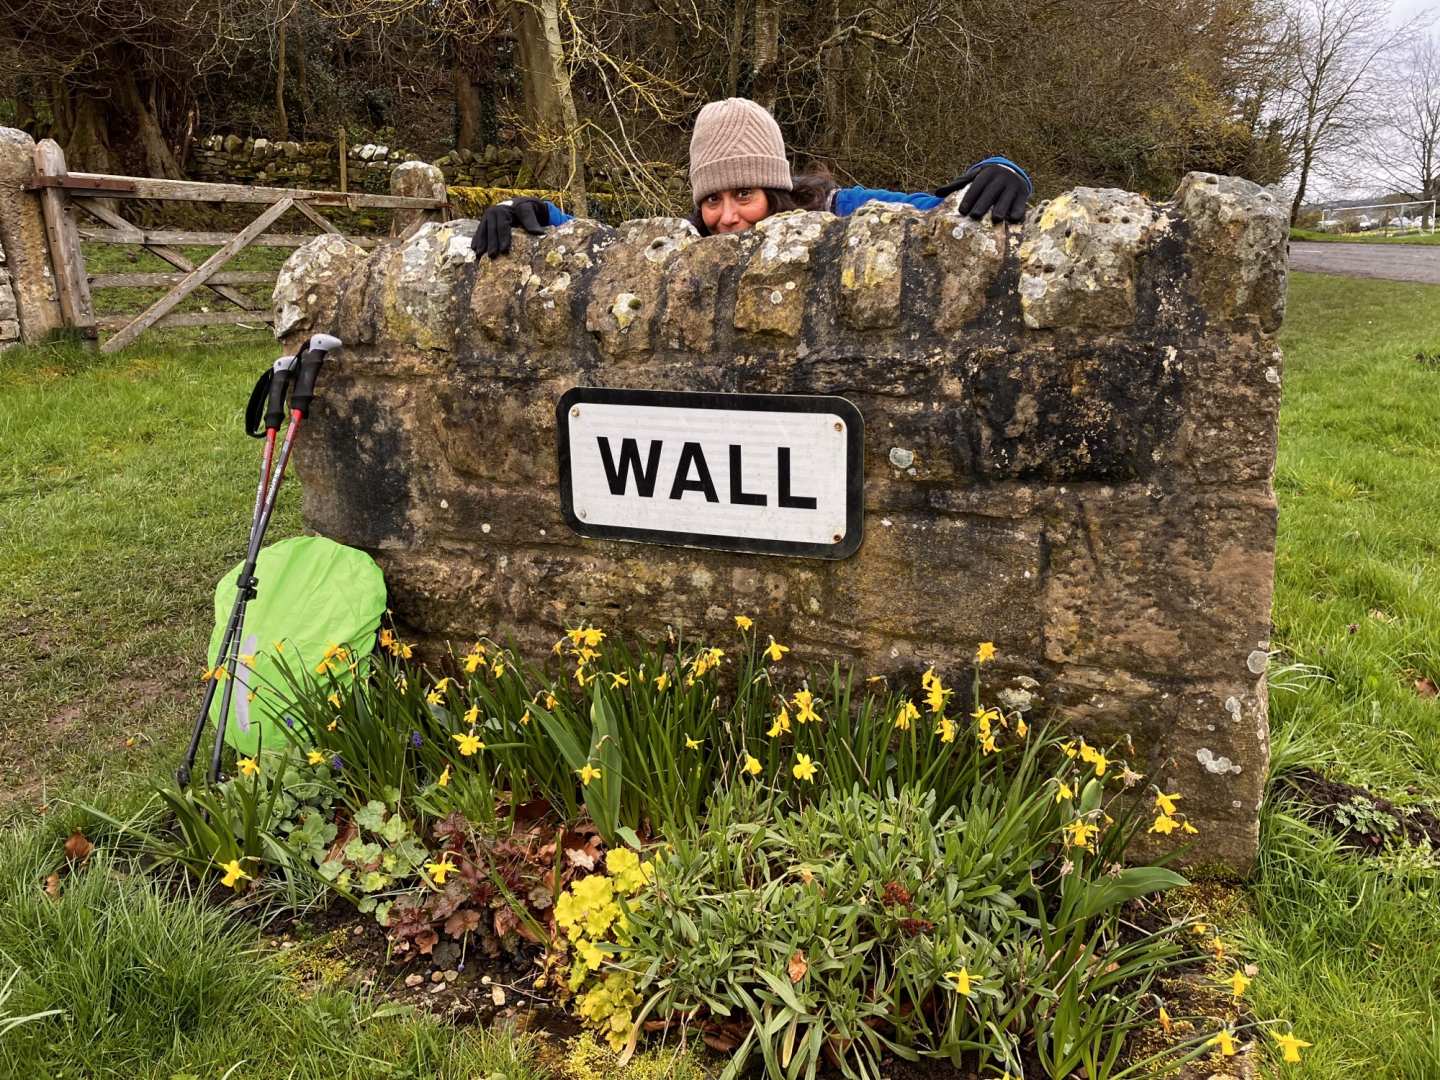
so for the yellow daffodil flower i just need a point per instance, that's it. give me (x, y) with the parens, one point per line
(444, 780)
(472, 714)
(662, 681)
(248, 766)
(692, 744)
(469, 743)
(804, 702)
(1164, 825)
(334, 699)
(248, 659)
(775, 651)
(618, 679)
(550, 701)
(1224, 1041)
(1064, 792)
(332, 725)
(434, 697)
(752, 765)
(498, 668)
(985, 652)
(1290, 1047)
(1021, 728)
(233, 873)
(387, 638)
(945, 729)
(743, 622)
(439, 870)
(443, 684)
(907, 715)
(960, 981)
(781, 726)
(1081, 834)
(1237, 983)
(587, 773)
(936, 694)
(315, 757)
(1166, 803)
(987, 745)
(406, 651)
(1165, 1024)
(804, 768)
(473, 662)
(1094, 757)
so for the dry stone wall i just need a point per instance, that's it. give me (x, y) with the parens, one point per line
(1069, 441)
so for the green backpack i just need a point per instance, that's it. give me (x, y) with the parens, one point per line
(313, 597)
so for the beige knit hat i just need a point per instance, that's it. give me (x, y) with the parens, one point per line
(736, 144)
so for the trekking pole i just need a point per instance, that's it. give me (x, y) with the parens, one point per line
(272, 389)
(301, 395)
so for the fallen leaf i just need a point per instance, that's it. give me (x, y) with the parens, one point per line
(797, 966)
(77, 848)
(425, 941)
(1251, 970)
(52, 886)
(462, 922)
(1425, 687)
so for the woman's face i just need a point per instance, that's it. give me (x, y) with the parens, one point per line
(734, 210)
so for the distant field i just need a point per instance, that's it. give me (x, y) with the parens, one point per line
(1364, 238)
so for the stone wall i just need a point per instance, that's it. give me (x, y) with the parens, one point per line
(9, 311)
(1069, 440)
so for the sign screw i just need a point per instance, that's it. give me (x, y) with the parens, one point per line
(581, 515)
(839, 426)
(575, 411)
(837, 538)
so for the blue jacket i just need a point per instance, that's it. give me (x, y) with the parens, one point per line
(847, 200)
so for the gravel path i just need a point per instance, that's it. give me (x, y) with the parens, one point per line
(1397, 262)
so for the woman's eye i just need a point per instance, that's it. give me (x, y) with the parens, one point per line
(744, 194)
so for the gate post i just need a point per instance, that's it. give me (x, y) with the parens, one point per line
(418, 180)
(22, 235)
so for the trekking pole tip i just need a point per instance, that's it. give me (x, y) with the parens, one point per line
(324, 343)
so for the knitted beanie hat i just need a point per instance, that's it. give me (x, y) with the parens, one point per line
(736, 144)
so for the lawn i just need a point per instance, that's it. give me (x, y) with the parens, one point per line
(126, 492)
(1363, 238)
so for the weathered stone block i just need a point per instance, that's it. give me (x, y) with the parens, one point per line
(771, 295)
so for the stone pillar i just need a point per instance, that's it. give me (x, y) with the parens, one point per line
(416, 180)
(34, 305)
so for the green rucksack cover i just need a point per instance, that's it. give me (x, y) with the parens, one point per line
(312, 595)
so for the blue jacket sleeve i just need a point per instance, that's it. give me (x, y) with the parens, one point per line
(557, 216)
(848, 200)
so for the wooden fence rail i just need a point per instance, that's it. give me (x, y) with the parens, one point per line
(64, 195)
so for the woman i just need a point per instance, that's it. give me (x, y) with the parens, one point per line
(739, 175)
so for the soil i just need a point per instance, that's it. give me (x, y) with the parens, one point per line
(1417, 824)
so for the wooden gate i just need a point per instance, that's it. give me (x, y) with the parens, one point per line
(63, 193)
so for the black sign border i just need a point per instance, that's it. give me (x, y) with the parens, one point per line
(799, 403)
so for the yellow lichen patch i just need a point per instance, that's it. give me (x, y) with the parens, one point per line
(586, 1058)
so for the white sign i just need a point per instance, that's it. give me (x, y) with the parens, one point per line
(778, 474)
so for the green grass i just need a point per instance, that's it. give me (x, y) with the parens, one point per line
(125, 495)
(1363, 238)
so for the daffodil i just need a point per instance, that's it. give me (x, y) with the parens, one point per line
(233, 874)
(804, 768)
(472, 662)
(1021, 728)
(936, 693)
(387, 638)
(781, 726)
(945, 729)
(1081, 834)
(443, 684)
(469, 743)
(692, 744)
(907, 715)
(775, 651)
(434, 697)
(587, 773)
(752, 765)
(332, 725)
(618, 679)
(1165, 1024)
(1063, 792)
(743, 622)
(804, 702)
(985, 652)
(1093, 757)
(1166, 803)
(438, 870)
(1290, 1047)
(315, 757)
(248, 766)
(662, 681)
(1164, 825)
(498, 668)
(334, 699)
(987, 745)
(1237, 983)
(444, 780)
(1224, 1041)
(472, 715)
(248, 659)
(550, 701)
(960, 981)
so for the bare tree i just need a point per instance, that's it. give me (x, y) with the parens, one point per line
(1407, 149)
(1335, 93)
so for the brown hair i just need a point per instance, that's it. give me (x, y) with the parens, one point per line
(811, 192)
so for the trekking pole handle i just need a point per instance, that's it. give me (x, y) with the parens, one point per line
(319, 346)
(280, 375)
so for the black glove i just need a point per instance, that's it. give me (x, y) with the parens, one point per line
(493, 236)
(994, 188)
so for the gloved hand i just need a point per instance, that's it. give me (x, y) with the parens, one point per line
(493, 236)
(996, 188)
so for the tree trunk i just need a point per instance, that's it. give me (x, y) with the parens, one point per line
(159, 159)
(732, 57)
(87, 149)
(554, 128)
(766, 52)
(302, 83)
(282, 119)
(1304, 179)
(467, 105)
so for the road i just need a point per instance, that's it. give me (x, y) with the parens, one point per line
(1397, 262)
